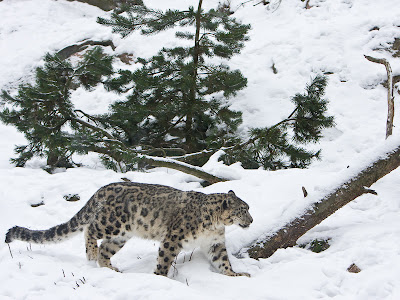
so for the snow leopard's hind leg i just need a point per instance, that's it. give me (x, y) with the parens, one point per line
(107, 249)
(90, 243)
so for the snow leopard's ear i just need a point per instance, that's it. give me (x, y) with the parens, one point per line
(231, 193)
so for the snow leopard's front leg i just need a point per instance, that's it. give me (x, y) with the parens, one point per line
(219, 256)
(169, 249)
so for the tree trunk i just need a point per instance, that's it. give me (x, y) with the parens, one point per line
(190, 141)
(348, 191)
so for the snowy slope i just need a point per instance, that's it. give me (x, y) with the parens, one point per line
(331, 37)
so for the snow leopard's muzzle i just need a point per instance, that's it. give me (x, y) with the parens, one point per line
(245, 220)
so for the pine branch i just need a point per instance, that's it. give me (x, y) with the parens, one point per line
(149, 20)
(98, 129)
(89, 117)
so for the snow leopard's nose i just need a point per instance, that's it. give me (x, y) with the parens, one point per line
(250, 218)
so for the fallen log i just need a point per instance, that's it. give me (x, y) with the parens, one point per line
(183, 167)
(347, 192)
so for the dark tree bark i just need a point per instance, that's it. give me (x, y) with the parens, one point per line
(348, 191)
(193, 89)
(104, 4)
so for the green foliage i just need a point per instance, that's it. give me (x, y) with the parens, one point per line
(282, 145)
(317, 245)
(43, 110)
(310, 115)
(156, 111)
(138, 16)
(177, 98)
(177, 101)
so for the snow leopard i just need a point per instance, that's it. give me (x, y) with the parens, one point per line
(175, 218)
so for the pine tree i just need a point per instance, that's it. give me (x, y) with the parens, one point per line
(177, 104)
(178, 100)
(43, 111)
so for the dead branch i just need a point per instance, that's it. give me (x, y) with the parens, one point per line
(390, 97)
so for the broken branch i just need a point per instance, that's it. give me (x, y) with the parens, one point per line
(390, 97)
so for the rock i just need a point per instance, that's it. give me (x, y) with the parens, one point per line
(106, 4)
(353, 268)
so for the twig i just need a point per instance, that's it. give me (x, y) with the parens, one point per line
(9, 248)
(190, 258)
(173, 265)
(304, 191)
(264, 2)
(370, 191)
(175, 269)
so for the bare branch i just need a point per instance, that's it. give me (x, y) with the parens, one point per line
(98, 129)
(390, 97)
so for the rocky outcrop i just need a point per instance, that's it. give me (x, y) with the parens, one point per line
(105, 4)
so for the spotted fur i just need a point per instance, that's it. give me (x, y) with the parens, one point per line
(118, 211)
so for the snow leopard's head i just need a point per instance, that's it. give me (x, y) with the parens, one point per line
(235, 211)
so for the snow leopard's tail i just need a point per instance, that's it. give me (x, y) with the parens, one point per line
(54, 234)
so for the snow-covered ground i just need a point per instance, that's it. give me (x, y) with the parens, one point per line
(332, 37)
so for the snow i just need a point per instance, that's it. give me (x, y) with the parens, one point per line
(333, 36)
